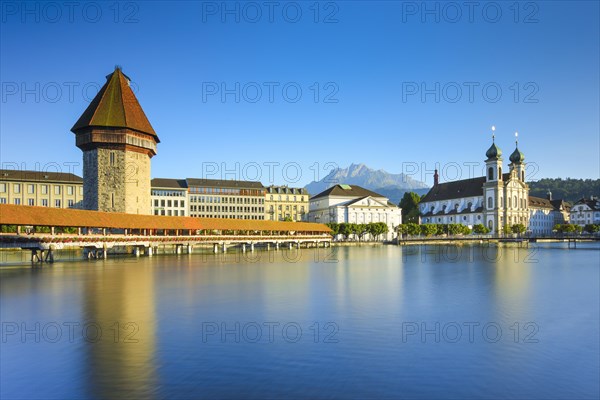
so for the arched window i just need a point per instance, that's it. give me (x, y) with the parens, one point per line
(499, 173)
(515, 202)
(490, 203)
(523, 176)
(490, 173)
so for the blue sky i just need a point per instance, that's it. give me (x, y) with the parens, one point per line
(399, 86)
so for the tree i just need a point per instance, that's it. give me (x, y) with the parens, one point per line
(591, 228)
(480, 229)
(288, 219)
(335, 228)
(413, 229)
(429, 229)
(402, 229)
(410, 207)
(346, 230)
(518, 229)
(361, 230)
(507, 229)
(455, 229)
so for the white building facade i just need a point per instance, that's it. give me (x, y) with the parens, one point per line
(354, 204)
(169, 197)
(586, 211)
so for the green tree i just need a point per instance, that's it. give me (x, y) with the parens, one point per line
(346, 230)
(480, 229)
(455, 229)
(410, 207)
(413, 229)
(518, 229)
(361, 230)
(591, 228)
(335, 228)
(429, 229)
(507, 229)
(402, 229)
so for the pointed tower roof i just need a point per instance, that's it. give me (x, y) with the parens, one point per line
(115, 106)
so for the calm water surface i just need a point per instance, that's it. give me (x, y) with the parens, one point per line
(387, 322)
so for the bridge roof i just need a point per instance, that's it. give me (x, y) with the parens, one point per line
(64, 217)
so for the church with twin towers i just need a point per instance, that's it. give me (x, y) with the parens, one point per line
(497, 199)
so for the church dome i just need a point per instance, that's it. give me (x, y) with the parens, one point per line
(493, 152)
(517, 157)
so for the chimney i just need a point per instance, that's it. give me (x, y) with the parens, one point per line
(436, 178)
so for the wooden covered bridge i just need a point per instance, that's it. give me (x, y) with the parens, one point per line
(44, 229)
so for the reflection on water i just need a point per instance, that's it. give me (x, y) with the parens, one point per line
(415, 322)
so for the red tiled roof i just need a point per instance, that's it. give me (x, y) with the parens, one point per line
(115, 106)
(60, 217)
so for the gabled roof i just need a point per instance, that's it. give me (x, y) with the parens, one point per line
(115, 106)
(347, 191)
(592, 203)
(458, 189)
(220, 183)
(379, 203)
(168, 183)
(38, 176)
(540, 202)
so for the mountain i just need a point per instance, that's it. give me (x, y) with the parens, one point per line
(567, 189)
(392, 186)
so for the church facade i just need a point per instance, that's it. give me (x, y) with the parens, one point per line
(494, 200)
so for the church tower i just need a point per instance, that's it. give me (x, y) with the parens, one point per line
(517, 191)
(118, 142)
(493, 187)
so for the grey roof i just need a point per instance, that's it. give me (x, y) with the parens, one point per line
(540, 202)
(285, 190)
(352, 191)
(458, 189)
(220, 183)
(38, 176)
(592, 203)
(168, 183)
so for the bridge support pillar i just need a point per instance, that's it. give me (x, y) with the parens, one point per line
(297, 245)
(216, 248)
(149, 251)
(178, 248)
(224, 248)
(290, 245)
(243, 247)
(276, 245)
(252, 247)
(136, 251)
(189, 249)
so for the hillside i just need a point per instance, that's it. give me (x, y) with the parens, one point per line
(568, 189)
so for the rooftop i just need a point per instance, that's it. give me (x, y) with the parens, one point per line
(38, 176)
(347, 191)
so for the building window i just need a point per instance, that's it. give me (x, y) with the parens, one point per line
(2, 200)
(17, 201)
(112, 158)
(31, 189)
(70, 190)
(491, 173)
(44, 189)
(81, 190)
(2, 187)
(56, 189)
(17, 188)
(44, 202)
(71, 203)
(490, 203)
(57, 203)
(31, 202)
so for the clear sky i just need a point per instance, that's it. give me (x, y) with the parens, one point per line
(396, 85)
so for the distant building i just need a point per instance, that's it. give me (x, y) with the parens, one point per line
(282, 202)
(215, 198)
(354, 204)
(170, 197)
(494, 200)
(118, 142)
(586, 211)
(44, 189)
(545, 213)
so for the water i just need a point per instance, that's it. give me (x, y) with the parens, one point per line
(385, 322)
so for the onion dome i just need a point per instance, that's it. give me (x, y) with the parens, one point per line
(517, 157)
(493, 152)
